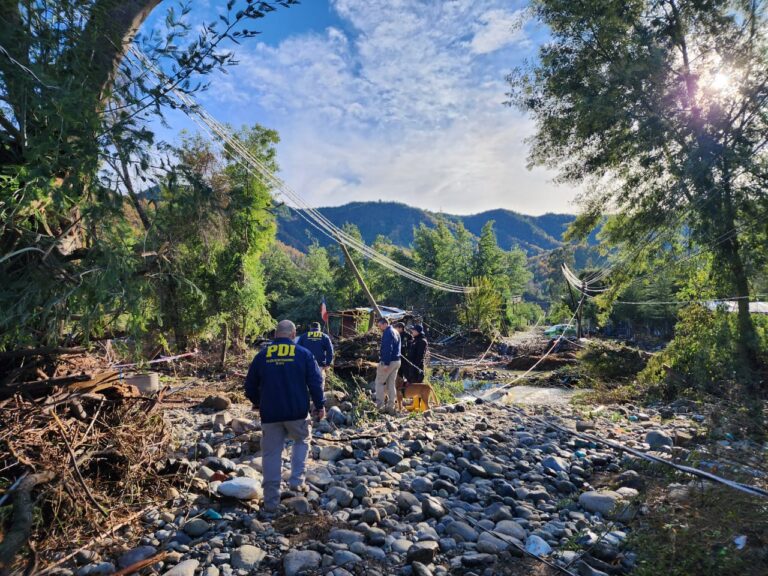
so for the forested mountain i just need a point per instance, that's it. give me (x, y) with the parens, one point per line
(397, 221)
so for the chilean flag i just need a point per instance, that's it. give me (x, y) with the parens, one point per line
(324, 311)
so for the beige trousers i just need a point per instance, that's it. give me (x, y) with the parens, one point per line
(385, 385)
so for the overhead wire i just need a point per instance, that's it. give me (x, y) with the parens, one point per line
(310, 215)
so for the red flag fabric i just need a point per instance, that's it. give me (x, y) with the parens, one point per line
(324, 311)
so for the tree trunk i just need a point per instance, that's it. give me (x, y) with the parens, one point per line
(730, 253)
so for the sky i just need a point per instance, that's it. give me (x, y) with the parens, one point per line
(395, 100)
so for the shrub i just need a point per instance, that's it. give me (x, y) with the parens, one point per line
(703, 355)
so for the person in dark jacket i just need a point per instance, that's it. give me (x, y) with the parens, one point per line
(321, 347)
(389, 363)
(405, 342)
(280, 382)
(416, 357)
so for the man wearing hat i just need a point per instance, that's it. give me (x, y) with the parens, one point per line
(320, 345)
(417, 353)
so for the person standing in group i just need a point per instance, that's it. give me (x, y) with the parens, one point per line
(389, 364)
(280, 382)
(417, 354)
(405, 342)
(319, 343)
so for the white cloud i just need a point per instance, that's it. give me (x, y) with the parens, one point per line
(402, 102)
(496, 29)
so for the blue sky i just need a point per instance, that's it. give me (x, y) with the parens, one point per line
(390, 100)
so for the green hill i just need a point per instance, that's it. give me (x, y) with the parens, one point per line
(533, 234)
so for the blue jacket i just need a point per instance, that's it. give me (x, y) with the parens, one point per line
(280, 381)
(390, 346)
(320, 345)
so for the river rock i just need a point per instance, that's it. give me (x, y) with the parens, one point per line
(97, 569)
(537, 546)
(657, 440)
(242, 425)
(421, 484)
(511, 528)
(217, 402)
(186, 568)
(343, 496)
(390, 456)
(241, 488)
(345, 536)
(431, 508)
(247, 557)
(555, 463)
(298, 504)
(300, 560)
(603, 502)
(331, 453)
(336, 416)
(423, 552)
(136, 555)
(196, 527)
(463, 531)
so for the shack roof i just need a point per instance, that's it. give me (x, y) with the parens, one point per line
(732, 306)
(389, 312)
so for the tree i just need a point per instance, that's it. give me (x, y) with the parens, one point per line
(210, 227)
(74, 140)
(658, 106)
(482, 308)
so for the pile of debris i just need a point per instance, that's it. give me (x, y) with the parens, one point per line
(79, 453)
(357, 356)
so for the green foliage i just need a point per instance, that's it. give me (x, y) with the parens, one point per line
(658, 110)
(697, 536)
(445, 252)
(74, 143)
(482, 308)
(703, 356)
(296, 283)
(447, 390)
(209, 229)
(607, 362)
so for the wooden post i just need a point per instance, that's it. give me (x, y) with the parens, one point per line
(363, 285)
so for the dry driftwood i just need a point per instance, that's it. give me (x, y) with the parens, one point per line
(21, 526)
(44, 351)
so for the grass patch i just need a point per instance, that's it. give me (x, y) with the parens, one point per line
(697, 536)
(447, 390)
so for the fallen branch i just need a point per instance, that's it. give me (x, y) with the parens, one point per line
(136, 566)
(93, 541)
(21, 526)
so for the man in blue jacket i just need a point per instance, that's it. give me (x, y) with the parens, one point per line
(389, 363)
(282, 378)
(320, 345)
